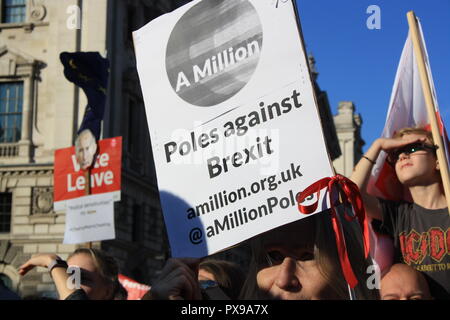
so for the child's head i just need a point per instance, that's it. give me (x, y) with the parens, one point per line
(415, 163)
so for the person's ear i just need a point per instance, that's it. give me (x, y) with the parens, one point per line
(437, 165)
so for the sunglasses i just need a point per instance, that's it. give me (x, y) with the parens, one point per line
(393, 156)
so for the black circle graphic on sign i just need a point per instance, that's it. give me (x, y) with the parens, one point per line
(213, 51)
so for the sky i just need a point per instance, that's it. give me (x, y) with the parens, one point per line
(358, 64)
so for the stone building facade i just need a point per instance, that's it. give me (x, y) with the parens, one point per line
(40, 111)
(348, 128)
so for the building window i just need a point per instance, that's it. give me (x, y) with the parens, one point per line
(11, 102)
(5, 212)
(14, 11)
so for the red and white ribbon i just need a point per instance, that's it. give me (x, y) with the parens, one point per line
(350, 195)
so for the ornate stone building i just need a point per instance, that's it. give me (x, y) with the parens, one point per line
(348, 128)
(40, 111)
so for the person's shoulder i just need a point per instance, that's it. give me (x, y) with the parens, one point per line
(395, 208)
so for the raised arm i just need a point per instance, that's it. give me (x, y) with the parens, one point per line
(360, 176)
(363, 168)
(58, 271)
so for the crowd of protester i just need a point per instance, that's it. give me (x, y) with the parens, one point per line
(301, 260)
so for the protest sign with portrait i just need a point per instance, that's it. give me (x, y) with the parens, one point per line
(105, 173)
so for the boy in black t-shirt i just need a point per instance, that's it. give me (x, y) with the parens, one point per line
(421, 228)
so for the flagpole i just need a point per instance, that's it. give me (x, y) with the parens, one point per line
(431, 109)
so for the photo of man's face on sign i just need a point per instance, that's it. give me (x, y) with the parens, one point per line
(85, 149)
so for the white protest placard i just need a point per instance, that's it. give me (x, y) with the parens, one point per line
(233, 120)
(90, 218)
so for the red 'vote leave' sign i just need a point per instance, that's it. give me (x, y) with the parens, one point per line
(70, 180)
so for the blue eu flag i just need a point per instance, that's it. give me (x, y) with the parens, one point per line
(90, 72)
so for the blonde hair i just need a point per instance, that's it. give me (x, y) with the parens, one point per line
(326, 254)
(414, 130)
(106, 265)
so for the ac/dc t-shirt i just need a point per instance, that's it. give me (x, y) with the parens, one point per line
(421, 240)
